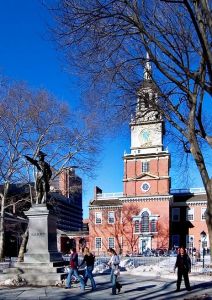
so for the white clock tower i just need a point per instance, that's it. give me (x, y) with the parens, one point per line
(147, 166)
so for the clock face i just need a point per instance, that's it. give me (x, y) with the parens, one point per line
(145, 186)
(145, 136)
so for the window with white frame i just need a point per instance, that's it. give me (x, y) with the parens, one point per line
(204, 244)
(111, 217)
(98, 218)
(145, 166)
(153, 225)
(111, 242)
(137, 226)
(189, 241)
(175, 214)
(98, 242)
(190, 214)
(203, 213)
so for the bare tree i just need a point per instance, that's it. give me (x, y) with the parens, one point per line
(31, 121)
(108, 42)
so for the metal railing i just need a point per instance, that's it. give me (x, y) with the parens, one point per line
(191, 190)
(109, 195)
(172, 191)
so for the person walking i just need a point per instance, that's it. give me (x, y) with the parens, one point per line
(115, 272)
(183, 265)
(89, 259)
(73, 270)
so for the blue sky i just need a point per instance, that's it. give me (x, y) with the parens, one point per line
(27, 54)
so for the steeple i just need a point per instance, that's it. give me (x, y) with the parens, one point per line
(147, 96)
(147, 68)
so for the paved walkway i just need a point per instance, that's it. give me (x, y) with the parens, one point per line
(134, 288)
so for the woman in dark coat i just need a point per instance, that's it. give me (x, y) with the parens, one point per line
(183, 265)
(89, 259)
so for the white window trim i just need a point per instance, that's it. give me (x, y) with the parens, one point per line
(98, 212)
(189, 241)
(187, 213)
(203, 208)
(143, 162)
(111, 237)
(112, 211)
(98, 237)
(139, 224)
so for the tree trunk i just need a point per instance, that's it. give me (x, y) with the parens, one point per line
(23, 245)
(2, 227)
(2, 233)
(2, 236)
(209, 214)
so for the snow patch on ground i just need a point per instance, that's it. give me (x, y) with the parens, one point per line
(14, 281)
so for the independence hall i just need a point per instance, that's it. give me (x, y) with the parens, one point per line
(147, 214)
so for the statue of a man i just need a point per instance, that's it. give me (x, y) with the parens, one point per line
(44, 174)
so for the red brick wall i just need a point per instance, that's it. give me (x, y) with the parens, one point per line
(198, 226)
(123, 229)
(157, 187)
(133, 177)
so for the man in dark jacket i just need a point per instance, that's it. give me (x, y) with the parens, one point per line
(183, 264)
(73, 270)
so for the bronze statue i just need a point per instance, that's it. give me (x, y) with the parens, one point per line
(44, 174)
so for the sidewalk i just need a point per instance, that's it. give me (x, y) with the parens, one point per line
(134, 288)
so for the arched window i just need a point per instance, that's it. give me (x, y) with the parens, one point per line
(145, 222)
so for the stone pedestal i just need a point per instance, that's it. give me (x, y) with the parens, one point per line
(43, 264)
(42, 242)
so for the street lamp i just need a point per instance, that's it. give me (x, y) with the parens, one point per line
(203, 238)
(192, 254)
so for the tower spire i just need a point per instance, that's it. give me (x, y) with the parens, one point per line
(147, 68)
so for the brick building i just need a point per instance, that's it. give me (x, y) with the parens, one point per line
(147, 215)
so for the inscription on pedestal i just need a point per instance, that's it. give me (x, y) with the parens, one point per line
(42, 243)
(38, 234)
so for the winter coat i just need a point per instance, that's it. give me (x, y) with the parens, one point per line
(183, 263)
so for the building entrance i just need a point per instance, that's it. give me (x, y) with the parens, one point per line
(144, 244)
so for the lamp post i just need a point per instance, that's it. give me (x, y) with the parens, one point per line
(191, 241)
(203, 237)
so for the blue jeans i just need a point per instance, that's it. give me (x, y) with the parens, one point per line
(115, 283)
(88, 274)
(111, 275)
(68, 279)
(113, 279)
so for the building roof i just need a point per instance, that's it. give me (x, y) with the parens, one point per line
(189, 197)
(108, 202)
